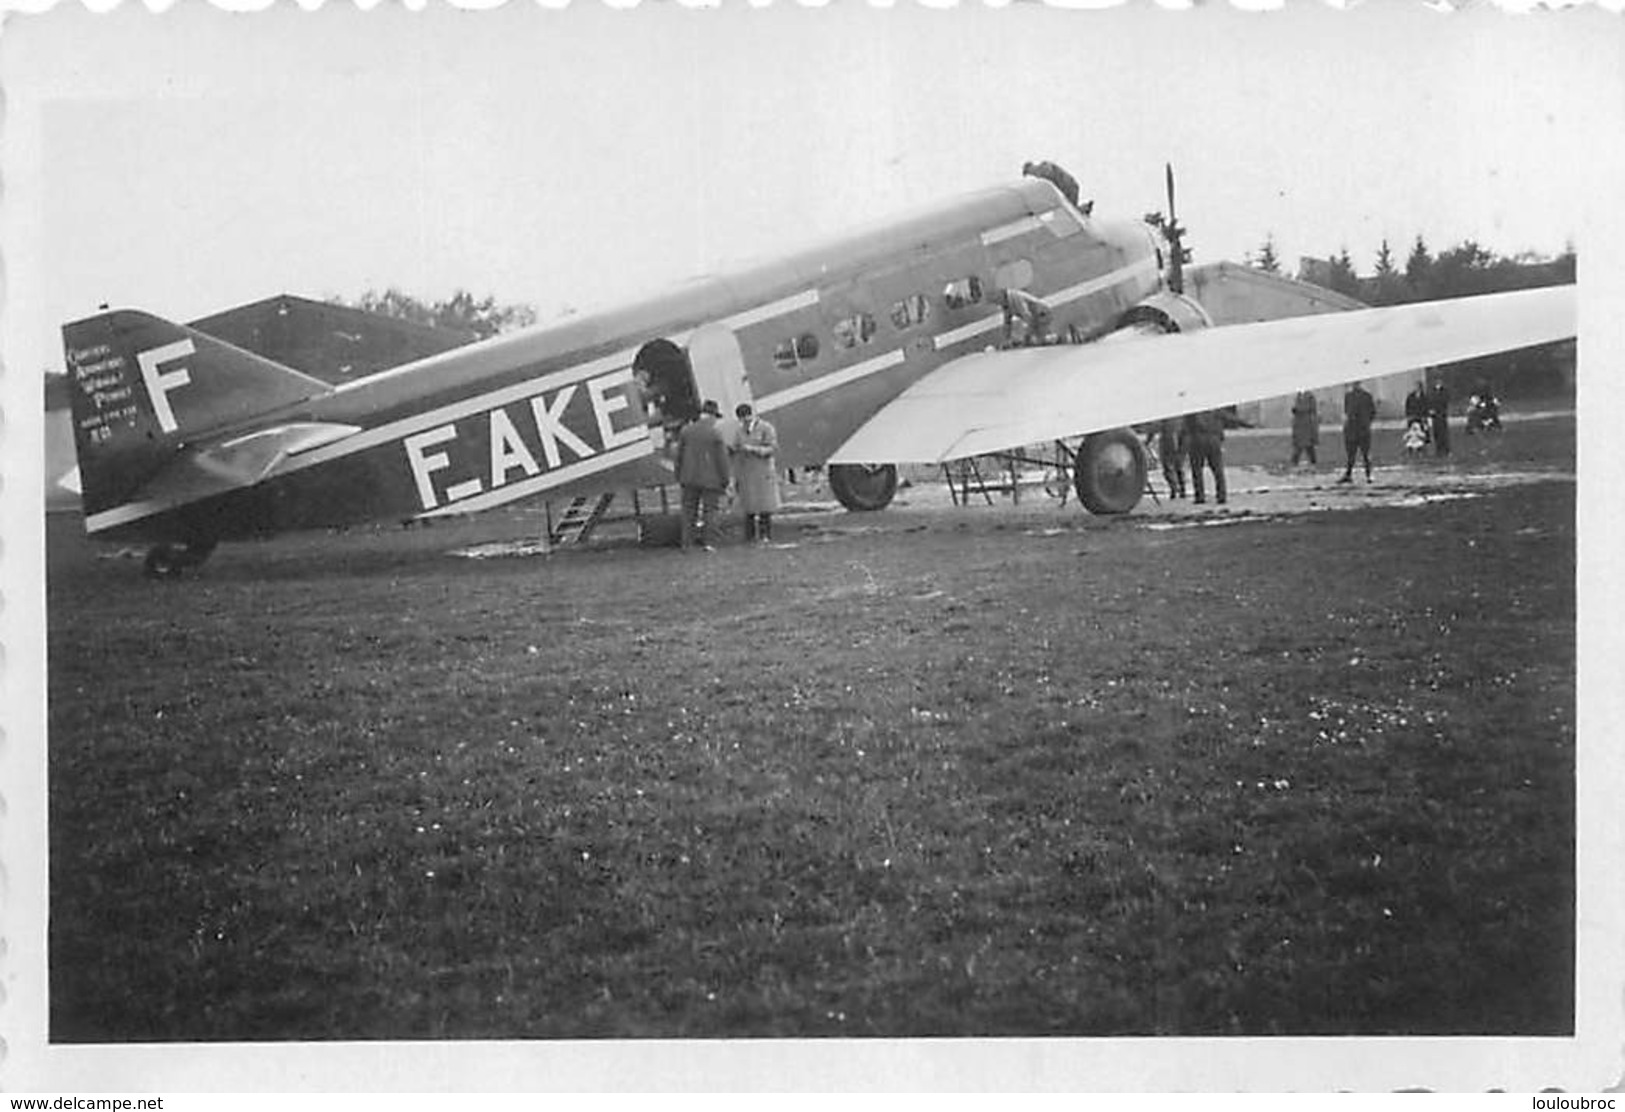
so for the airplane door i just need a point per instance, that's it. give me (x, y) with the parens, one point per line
(719, 367)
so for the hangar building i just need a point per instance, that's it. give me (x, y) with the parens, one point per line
(1235, 294)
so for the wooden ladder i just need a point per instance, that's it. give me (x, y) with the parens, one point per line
(579, 518)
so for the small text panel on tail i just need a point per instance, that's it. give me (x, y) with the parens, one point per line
(143, 387)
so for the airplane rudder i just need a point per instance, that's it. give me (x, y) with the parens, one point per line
(116, 364)
(142, 386)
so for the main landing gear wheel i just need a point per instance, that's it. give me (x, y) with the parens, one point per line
(863, 486)
(165, 561)
(1110, 472)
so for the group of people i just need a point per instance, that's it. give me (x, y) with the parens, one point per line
(1427, 418)
(1359, 411)
(1199, 438)
(711, 459)
(1427, 421)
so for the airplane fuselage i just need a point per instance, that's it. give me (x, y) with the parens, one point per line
(817, 340)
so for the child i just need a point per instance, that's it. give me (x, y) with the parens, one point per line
(1415, 439)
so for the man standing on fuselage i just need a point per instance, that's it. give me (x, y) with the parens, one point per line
(702, 472)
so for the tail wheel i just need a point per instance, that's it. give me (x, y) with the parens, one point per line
(863, 486)
(165, 561)
(1110, 472)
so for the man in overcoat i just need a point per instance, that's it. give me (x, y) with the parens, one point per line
(756, 477)
(703, 474)
(1305, 427)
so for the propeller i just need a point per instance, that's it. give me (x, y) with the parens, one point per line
(1175, 235)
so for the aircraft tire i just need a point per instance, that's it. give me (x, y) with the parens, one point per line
(863, 486)
(1110, 472)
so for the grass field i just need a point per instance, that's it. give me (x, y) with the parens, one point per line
(999, 771)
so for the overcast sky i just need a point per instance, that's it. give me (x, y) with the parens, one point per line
(197, 160)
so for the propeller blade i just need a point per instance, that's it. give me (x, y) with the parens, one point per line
(1175, 236)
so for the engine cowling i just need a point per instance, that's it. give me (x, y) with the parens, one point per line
(1164, 311)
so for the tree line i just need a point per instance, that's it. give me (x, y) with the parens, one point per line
(1460, 271)
(478, 317)
(1465, 270)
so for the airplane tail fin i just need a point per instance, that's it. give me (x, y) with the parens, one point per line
(142, 388)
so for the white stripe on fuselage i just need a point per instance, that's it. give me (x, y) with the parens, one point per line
(968, 331)
(772, 309)
(468, 407)
(1011, 230)
(545, 481)
(1104, 281)
(813, 386)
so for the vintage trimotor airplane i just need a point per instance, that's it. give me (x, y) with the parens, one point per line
(882, 346)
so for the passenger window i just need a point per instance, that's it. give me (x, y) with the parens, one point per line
(966, 291)
(910, 311)
(796, 351)
(857, 329)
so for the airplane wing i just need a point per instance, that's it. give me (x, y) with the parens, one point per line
(999, 400)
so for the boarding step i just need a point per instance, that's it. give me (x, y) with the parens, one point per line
(578, 519)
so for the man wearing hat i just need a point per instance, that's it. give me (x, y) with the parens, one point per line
(702, 472)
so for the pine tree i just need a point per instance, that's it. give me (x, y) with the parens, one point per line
(1387, 286)
(1267, 260)
(1342, 276)
(1419, 268)
(1385, 260)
